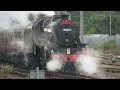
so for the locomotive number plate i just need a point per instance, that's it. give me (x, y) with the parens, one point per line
(68, 50)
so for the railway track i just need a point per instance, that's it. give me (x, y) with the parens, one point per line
(110, 68)
(107, 67)
(20, 73)
(63, 76)
(107, 64)
(17, 74)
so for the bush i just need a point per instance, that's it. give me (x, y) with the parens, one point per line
(5, 71)
(110, 45)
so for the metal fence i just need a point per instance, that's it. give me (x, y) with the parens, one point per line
(99, 39)
(117, 38)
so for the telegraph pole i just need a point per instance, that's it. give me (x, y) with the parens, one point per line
(82, 26)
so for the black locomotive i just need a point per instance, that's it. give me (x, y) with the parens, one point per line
(59, 36)
(56, 35)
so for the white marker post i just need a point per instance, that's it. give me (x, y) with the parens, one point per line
(38, 76)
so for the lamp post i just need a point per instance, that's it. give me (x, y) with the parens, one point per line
(110, 23)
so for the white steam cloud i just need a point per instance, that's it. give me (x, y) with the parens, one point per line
(20, 16)
(89, 62)
(18, 20)
(54, 65)
(20, 47)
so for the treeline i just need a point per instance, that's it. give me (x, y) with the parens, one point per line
(98, 22)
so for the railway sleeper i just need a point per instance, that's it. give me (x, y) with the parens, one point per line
(113, 71)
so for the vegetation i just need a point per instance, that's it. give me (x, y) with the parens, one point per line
(5, 71)
(98, 22)
(110, 45)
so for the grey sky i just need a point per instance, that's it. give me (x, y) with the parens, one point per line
(21, 16)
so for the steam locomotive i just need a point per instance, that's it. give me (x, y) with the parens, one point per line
(57, 36)
(49, 37)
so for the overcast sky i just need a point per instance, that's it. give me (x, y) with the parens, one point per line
(21, 16)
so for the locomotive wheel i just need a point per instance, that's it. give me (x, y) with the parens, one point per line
(69, 68)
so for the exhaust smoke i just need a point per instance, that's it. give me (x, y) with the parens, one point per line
(20, 47)
(89, 62)
(54, 65)
(20, 16)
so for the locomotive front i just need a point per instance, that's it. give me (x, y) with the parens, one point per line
(67, 46)
(66, 31)
(67, 35)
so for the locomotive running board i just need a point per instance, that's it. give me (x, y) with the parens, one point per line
(83, 45)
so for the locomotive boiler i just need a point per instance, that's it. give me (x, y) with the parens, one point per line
(57, 36)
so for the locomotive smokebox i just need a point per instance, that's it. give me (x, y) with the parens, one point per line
(66, 32)
(65, 17)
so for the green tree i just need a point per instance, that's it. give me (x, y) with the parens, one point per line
(98, 22)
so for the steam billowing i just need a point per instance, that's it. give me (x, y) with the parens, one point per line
(19, 45)
(89, 63)
(11, 21)
(20, 18)
(86, 63)
(43, 40)
(21, 48)
(54, 64)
